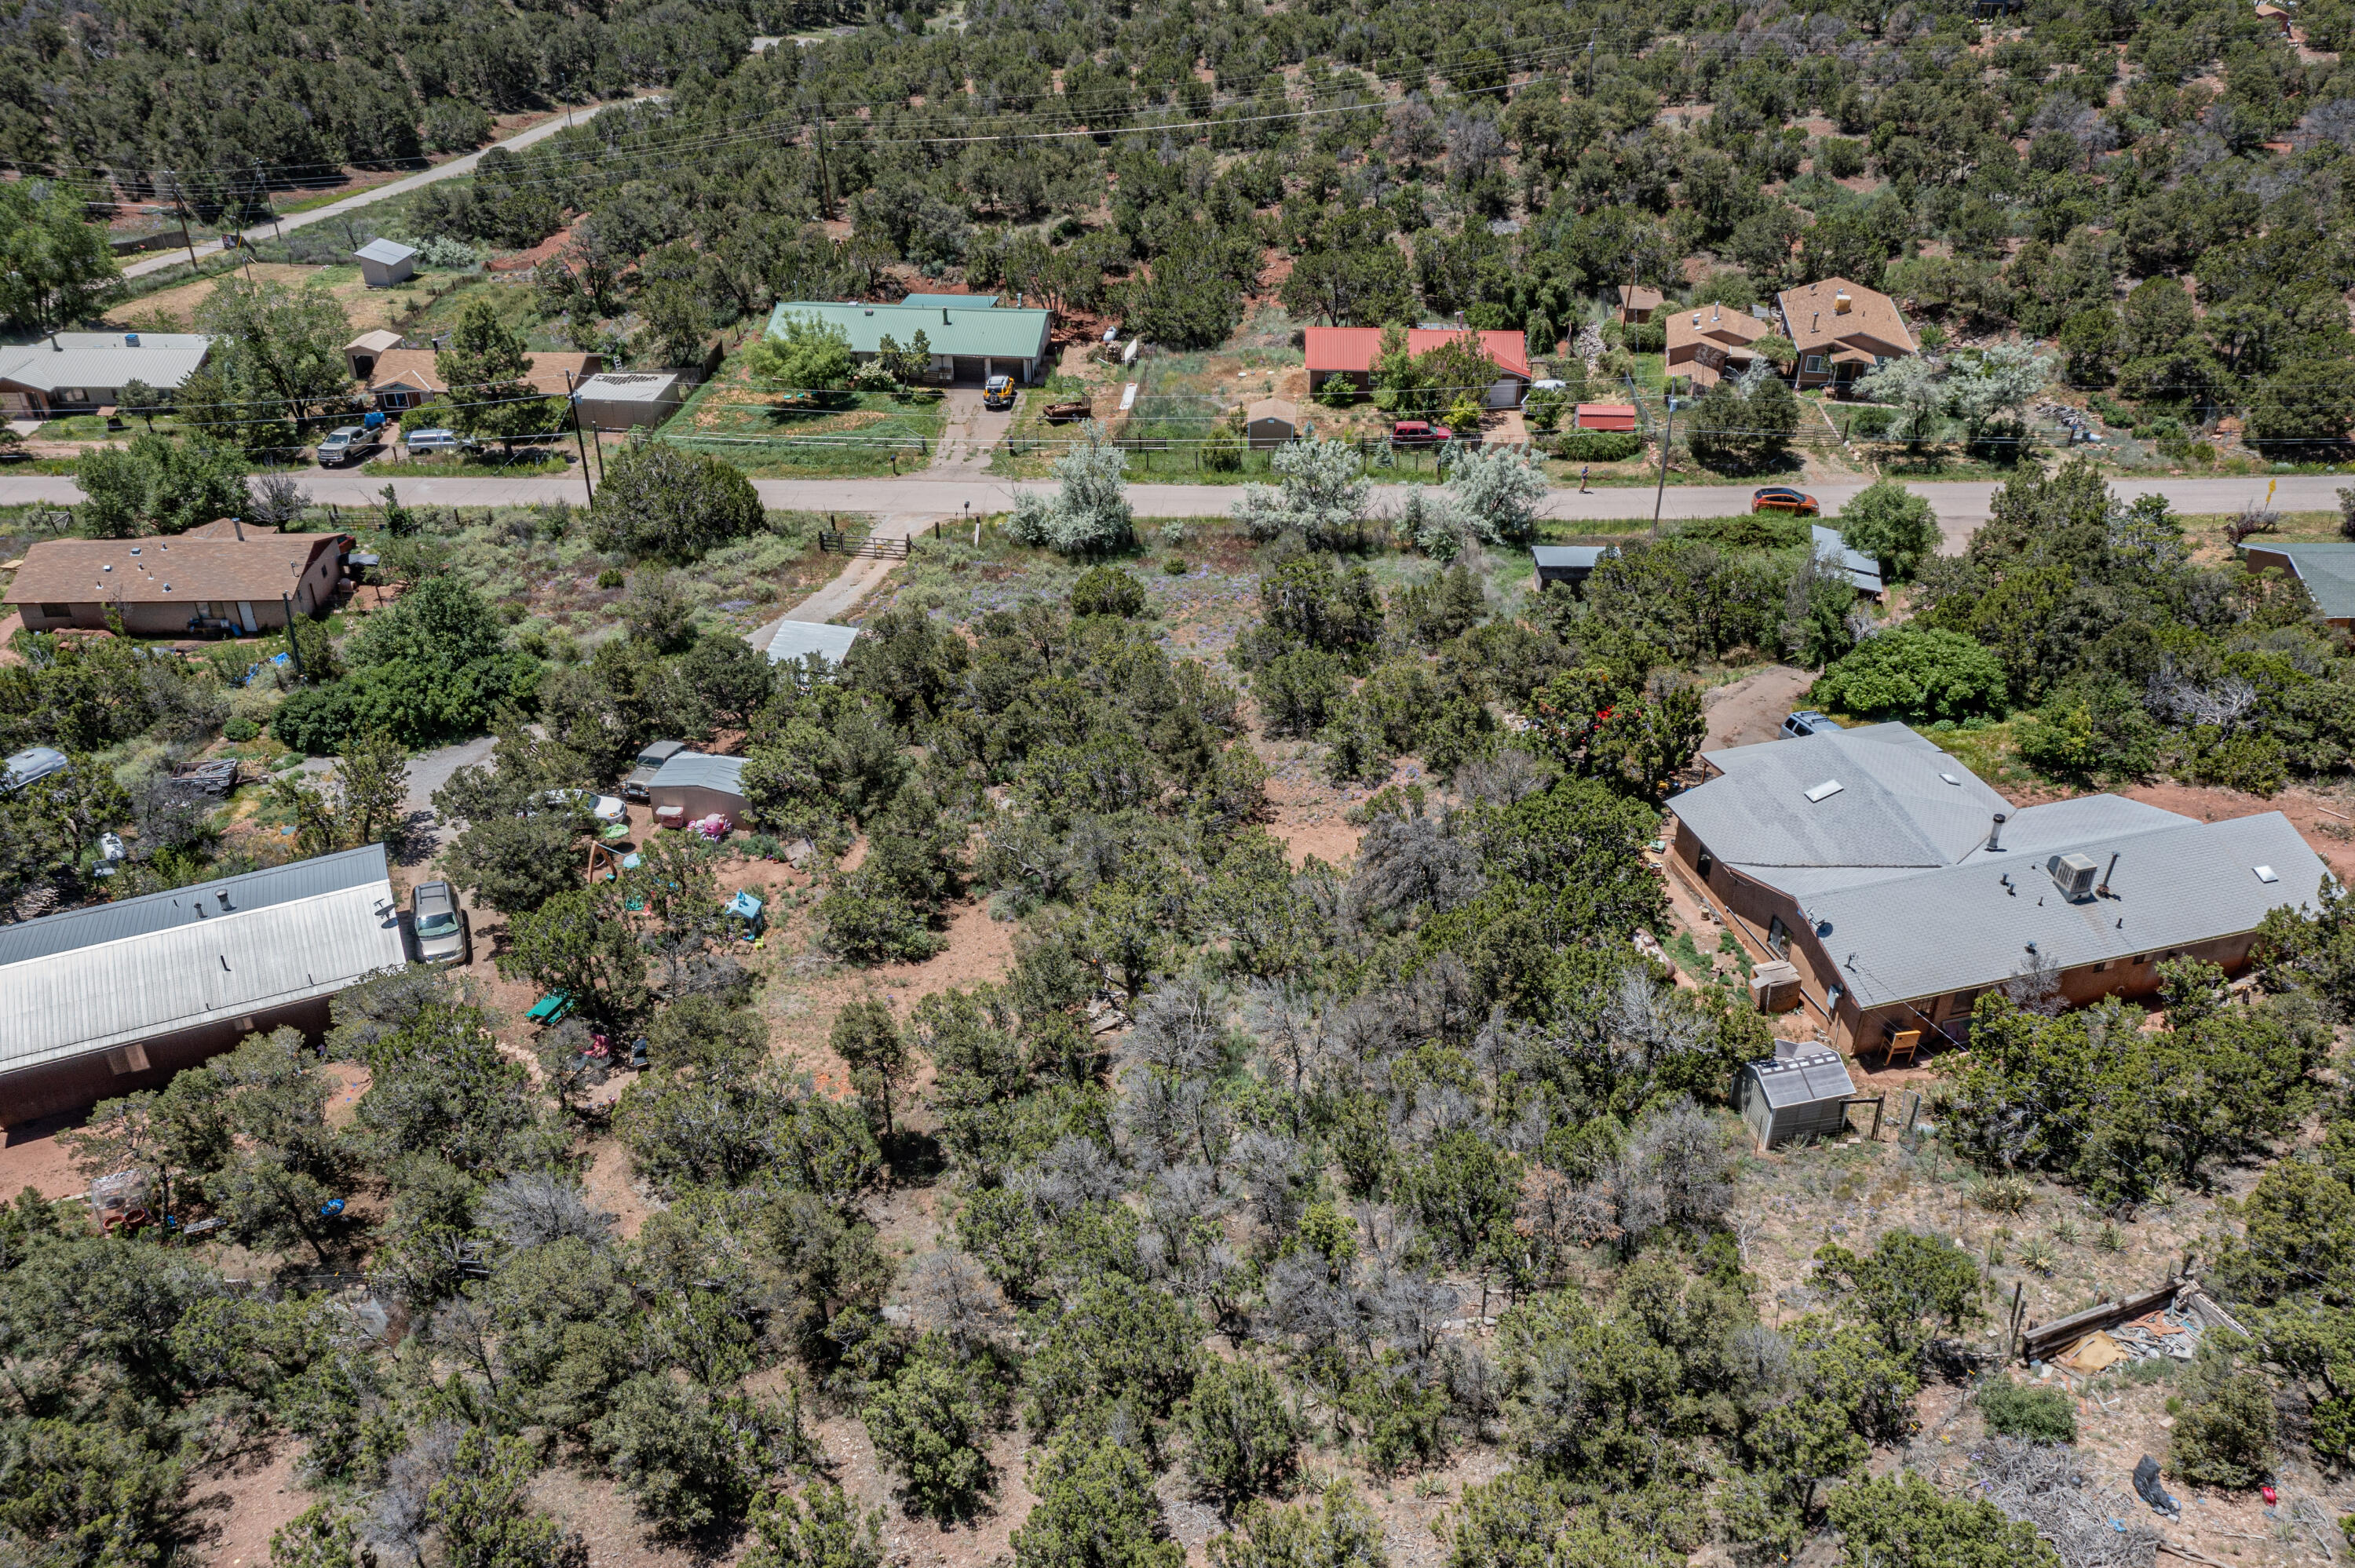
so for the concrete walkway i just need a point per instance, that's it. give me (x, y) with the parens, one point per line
(353, 203)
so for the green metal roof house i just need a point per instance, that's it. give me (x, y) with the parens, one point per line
(2327, 570)
(968, 344)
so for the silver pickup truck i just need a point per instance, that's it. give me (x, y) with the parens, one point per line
(650, 760)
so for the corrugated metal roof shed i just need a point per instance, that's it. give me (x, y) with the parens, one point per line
(391, 252)
(92, 980)
(801, 638)
(700, 771)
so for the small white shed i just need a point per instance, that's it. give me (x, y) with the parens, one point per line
(622, 402)
(1800, 1091)
(384, 262)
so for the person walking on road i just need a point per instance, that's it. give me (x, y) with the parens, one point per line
(1581, 479)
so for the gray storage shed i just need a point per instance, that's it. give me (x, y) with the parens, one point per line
(625, 401)
(1800, 1091)
(384, 262)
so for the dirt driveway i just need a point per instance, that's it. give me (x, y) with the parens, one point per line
(1752, 709)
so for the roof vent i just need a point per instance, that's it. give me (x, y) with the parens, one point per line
(1824, 791)
(1840, 303)
(1952, 780)
(131, 340)
(2072, 873)
(1995, 833)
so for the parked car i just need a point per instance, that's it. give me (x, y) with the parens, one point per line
(438, 439)
(1782, 498)
(346, 443)
(651, 758)
(442, 933)
(1418, 433)
(998, 392)
(1807, 722)
(605, 808)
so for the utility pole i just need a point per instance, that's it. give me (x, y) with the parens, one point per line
(572, 397)
(1660, 492)
(264, 186)
(825, 180)
(181, 208)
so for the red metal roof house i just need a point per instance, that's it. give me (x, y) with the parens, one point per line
(1350, 351)
(1606, 417)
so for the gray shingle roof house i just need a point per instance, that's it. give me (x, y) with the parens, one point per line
(1901, 887)
(966, 344)
(2327, 570)
(98, 1002)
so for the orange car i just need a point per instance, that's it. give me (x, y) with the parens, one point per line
(1782, 498)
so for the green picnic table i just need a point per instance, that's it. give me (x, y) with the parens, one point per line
(551, 1008)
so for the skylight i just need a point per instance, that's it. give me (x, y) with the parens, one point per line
(1824, 791)
(2266, 874)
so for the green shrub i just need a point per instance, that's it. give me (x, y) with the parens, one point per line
(1174, 567)
(1598, 446)
(1108, 590)
(1909, 674)
(2039, 1414)
(1871, 422)
(611, 577)
(1838, 158)
(2223, 1433)
(1222, 452)
(928, 1424)
(239, 730)
(1245, 1439)
(1298, 691)
(2256, 763)
(868, 923)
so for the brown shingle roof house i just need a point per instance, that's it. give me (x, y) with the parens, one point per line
(1843, 330)
(1638, 303)
(159, 586)
(405, 378)
(1712, 342)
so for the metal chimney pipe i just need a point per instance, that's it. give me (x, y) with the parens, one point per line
(1995, 833)
(2104, 890)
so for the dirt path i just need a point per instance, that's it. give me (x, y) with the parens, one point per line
(1752, 709)
(861, 577)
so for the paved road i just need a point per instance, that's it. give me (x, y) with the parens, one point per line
(451, 170)
(925, 496)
